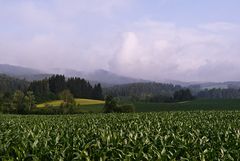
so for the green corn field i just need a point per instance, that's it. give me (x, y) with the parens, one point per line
(139, 136)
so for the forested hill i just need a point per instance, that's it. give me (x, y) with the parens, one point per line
(142, 89)
(17, 70)
(9, 84)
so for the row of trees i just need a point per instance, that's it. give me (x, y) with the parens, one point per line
(22, 96)
(178, 96)
(20, 103)
(24, 103)
(229, 93)
(150, 92)
(8, 85)
(112, 105)
(49, 89)
(183, 95)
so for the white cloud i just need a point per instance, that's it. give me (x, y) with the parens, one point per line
(165, 51)
(73, 34)
(220, 27)
(54, 34)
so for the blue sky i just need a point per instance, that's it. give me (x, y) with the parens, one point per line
(187, 12)
(186, 40)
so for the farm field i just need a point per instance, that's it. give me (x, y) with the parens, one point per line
(140, 136)
(96, 106)
(78, 101)
(227, 104)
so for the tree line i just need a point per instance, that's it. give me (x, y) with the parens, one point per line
(143, 91)
(9, 84)
(217, 93)
(150, 92)
(49, 89)
(19, 96)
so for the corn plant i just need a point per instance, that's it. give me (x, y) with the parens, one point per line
(139, 136)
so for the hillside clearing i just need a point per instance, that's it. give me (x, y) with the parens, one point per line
(79, 101)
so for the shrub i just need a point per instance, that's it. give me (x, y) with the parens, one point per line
(67, 97)
(126, 108)
(183, 95)
(110, 104)
(67, 108)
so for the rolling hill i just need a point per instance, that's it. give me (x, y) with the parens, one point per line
(102, 76)
(19, 72)
(78, 101)
(106, 78)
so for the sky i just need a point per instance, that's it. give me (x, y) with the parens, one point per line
(186, 40)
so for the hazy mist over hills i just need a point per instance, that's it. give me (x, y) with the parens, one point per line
(150, 40)
(17, 70)
(101, 76)
(104, 77)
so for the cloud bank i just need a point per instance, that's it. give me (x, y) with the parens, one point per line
(85, 35)
(165, 51)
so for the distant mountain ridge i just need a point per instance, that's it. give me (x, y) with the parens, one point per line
(206, 85)
(22, 72)
(98, 76)
(13, 70)
(102, 76)
(112, 78)
(106, 78)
